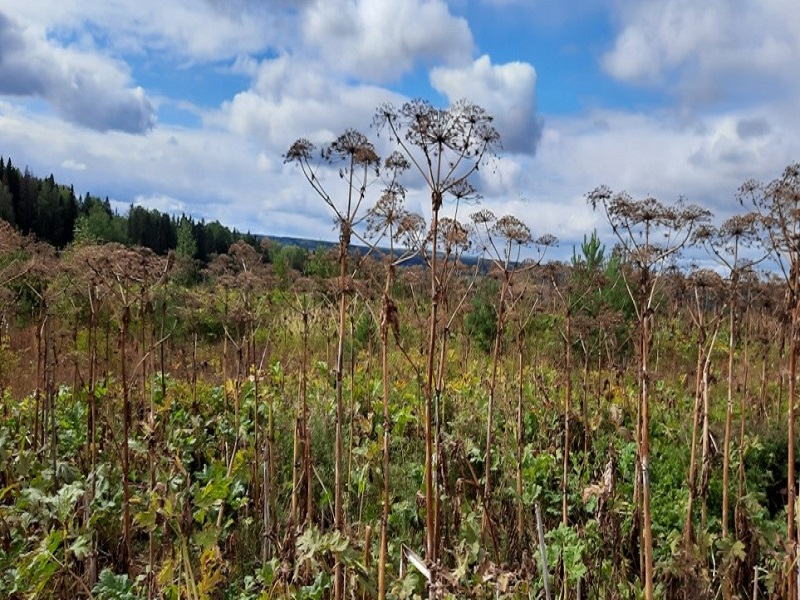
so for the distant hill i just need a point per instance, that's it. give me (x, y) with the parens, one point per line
(305, 243)
(311, 245)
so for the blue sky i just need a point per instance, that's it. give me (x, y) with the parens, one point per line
(188, 105)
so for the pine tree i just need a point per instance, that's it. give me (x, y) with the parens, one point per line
(6, 205)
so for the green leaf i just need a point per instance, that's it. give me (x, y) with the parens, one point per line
(80, 547)
(207, 537)
(111, 586)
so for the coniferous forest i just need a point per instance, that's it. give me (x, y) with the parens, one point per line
(432, 407)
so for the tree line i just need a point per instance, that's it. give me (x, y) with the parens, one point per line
(55, 215)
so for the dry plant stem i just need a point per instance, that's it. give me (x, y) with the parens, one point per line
(434, 299)
(762, 394)
(384, 541)
(367, 554)
(161, 344)
(338, 522)
(705, 347)
(706, 457)
(264, 464)
(543, 551)
(790, 484)
(438, 455)
(107, 364)
(195, 407)
(637, 480)
(79, 580)
(782, 376)
(440, 458)
(520, 440)
(755, 583)
(265, 509)
(587, 430)
(688, 533)
(3, 383)
(126, 423)
(300, 467)
(50, 396)
(515, 234)
(76, 374)
(269, 470)
(252, 370)
(565, 466)
(729, 409)
(352, 404)
(92, 434)
(384, 332)
(38, 393)
(487, 489)
(237, 390)
(41, 386)
(647, 531)
(309, 518)
(449, 146)
(225, 371)
(296, 465)
(151, 456)
(742, 413)
(143, 310)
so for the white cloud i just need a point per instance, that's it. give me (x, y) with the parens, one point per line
(661, 35)
(188, 30)
(501, 177)
(162, 203)
(83, 87)
(507, 91)
(707, 48)
(644, 154)
(291, 98)
(380, 40)
(73, 165)
(652, 155)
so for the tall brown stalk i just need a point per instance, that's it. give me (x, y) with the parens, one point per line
(389, 220)
(126, 271)
(706, 288)
(778, 206)
(504, 240)
(445, 147)
(726, 244)
(454, 242)
(302, 468)
(650, 233)
(358, 164)
(529, 294)
(92, 279)
(571, 287)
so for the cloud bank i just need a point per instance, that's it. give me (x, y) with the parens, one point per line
(84, 88)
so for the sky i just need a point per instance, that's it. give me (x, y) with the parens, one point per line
(189, 105)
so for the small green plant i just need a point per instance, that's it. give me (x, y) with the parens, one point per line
(111, 586)
(481, 320)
